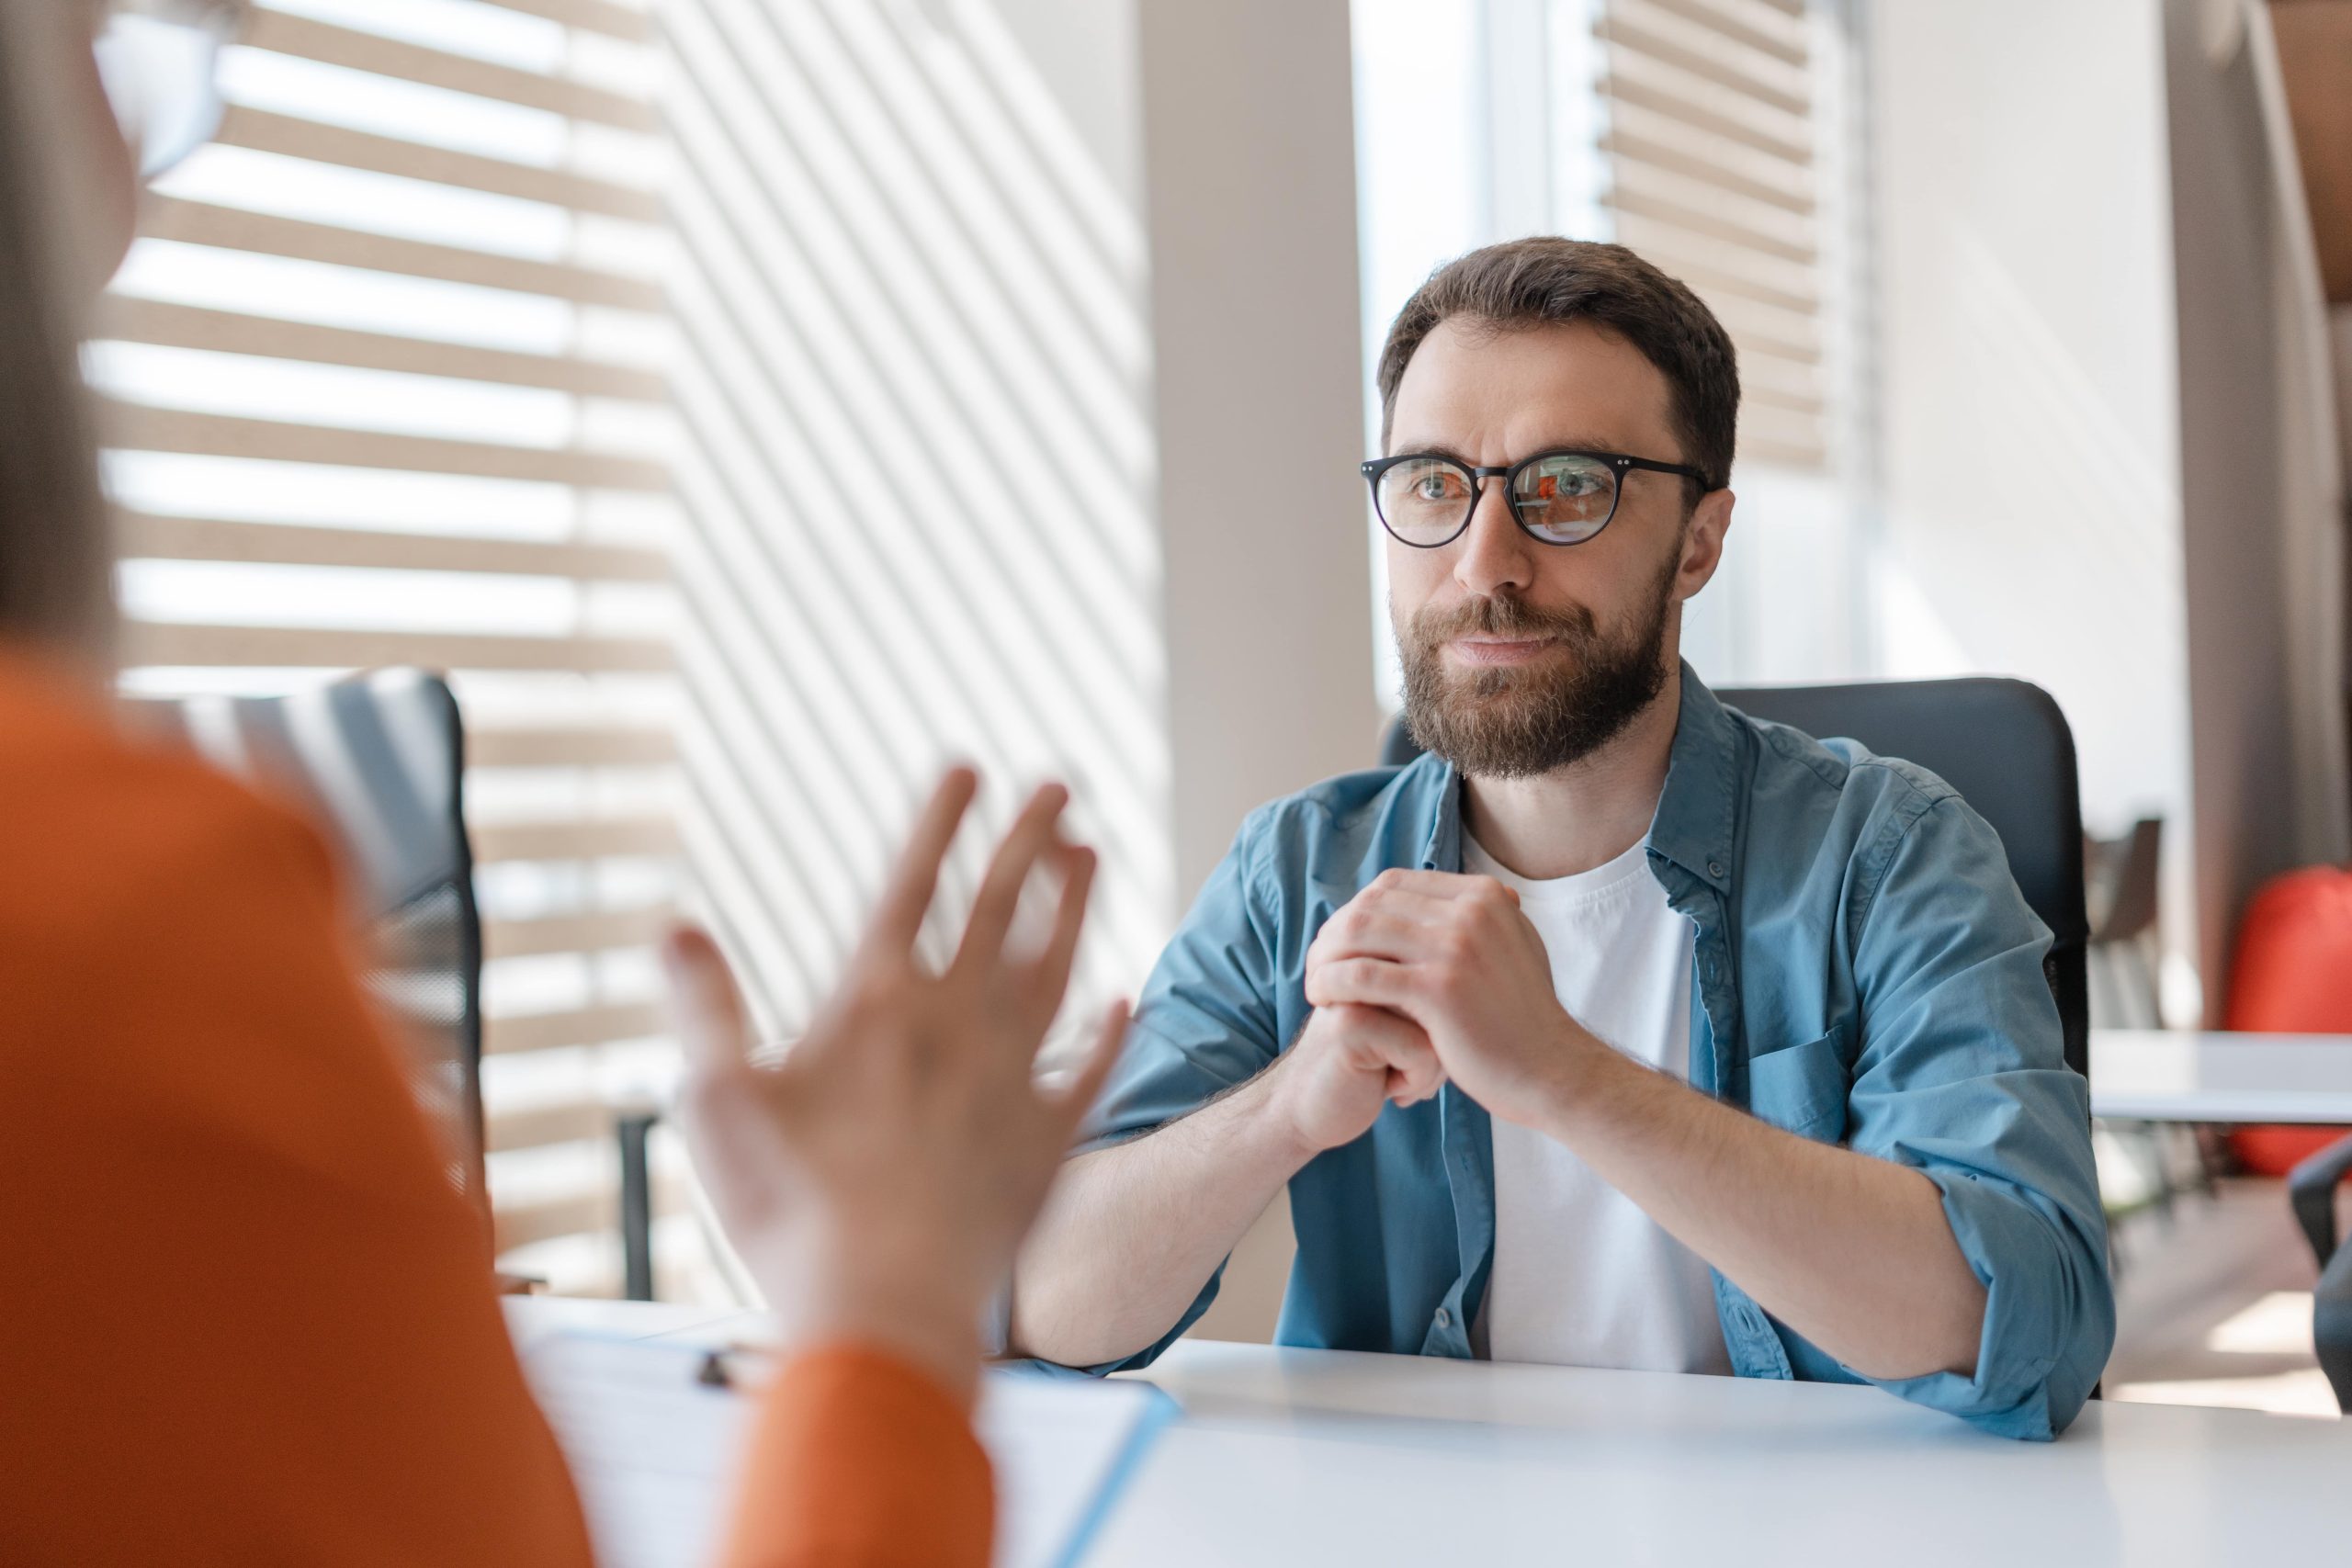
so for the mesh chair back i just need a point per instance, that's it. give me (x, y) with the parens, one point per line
(2006, 747)
(376, 763)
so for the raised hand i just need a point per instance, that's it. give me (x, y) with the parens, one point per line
(878, 1181)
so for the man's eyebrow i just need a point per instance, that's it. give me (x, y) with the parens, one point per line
(1440, 449)
(1428, 449)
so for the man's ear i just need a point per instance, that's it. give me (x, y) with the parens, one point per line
(1703, 543)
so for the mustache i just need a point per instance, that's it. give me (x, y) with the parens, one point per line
(1503, 615)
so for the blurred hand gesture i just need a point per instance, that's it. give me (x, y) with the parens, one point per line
(878, 1181)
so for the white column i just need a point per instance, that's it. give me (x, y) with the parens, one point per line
(1250, 199)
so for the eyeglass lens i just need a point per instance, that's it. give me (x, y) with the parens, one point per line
(1564, 499)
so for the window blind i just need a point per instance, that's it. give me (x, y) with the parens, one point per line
(383, 382)
(915, 467)
(1709, 139)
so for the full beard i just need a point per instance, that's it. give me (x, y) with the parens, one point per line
(1531, 719)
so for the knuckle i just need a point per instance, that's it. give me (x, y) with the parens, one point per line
(1491, 905)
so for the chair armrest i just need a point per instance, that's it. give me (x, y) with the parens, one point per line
(2332, 1325)
(2311, 1187)
(637, 1203)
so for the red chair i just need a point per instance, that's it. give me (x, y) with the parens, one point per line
(2293, 976)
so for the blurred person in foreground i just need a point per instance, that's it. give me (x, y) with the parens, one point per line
(1620, 1030)
(243, 1316)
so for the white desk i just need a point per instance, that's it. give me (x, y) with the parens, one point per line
(1316, 1456)
(2169, 1076)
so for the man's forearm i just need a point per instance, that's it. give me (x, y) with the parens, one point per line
(1133, 1231)
(1852, 1252)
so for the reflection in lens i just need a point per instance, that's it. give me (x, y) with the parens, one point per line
(1566, 498)
(1424, 499)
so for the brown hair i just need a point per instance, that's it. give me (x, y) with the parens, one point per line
(1547, 279)
(54, 549)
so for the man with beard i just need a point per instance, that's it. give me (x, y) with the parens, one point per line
(1621, 1029)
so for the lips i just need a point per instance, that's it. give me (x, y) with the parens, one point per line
(1497, 650)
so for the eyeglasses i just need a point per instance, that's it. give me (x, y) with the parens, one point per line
(157, 59)
(1557, 498)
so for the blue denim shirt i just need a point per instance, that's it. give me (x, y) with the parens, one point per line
(1865, 971)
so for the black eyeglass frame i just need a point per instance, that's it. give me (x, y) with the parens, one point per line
(1619, 464)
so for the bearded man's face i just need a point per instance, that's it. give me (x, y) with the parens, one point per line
(1521, 656)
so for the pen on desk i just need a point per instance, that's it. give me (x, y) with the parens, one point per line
(733, 1366)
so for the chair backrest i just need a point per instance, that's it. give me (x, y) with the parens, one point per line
(377, 761)
(2006, 747)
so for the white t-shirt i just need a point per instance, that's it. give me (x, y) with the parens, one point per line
(1582, 1277)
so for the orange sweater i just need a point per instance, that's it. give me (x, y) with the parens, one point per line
(241, 1317)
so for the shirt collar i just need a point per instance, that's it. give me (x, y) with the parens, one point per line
(1441, 850)
(1696, 816)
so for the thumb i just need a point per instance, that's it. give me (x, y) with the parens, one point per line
(706, 1009)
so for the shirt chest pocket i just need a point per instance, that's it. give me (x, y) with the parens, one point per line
(1804, 1088)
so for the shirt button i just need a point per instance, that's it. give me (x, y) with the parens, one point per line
(1715, 868)
(1444, 1318)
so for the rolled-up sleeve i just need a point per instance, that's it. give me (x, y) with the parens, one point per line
(1962, 1076)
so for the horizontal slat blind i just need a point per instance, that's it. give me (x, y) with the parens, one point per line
(1709, 149)
(385, 381)
(226, 228)
(230, 331)
(261, 131)
(209, 538)
(332, 45)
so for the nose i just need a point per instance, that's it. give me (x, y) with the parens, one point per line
(1493, 553)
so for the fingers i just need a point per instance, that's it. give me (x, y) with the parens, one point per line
(1416, 1082)
(1050, 976)
(906, 899)
(1378, 1037)
(1082, 1091)
(1403, 920)
(1415, 1071)
(706, 1009)
(1031, 835)
(1369, 982)
(1439, 883)
(1388, 929)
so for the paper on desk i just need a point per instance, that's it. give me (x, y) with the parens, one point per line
(654, 1452)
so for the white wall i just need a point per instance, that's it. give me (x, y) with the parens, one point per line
(2031, 520)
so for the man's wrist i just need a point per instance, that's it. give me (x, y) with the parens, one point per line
(1264, 1105)
(1582, 1080)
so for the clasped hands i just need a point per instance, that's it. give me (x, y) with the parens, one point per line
(1422, 977)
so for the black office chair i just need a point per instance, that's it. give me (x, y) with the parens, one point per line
(2005, 746)
(377, 762)
(2312, 1188)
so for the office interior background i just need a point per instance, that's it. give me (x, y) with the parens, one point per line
(754, 404)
